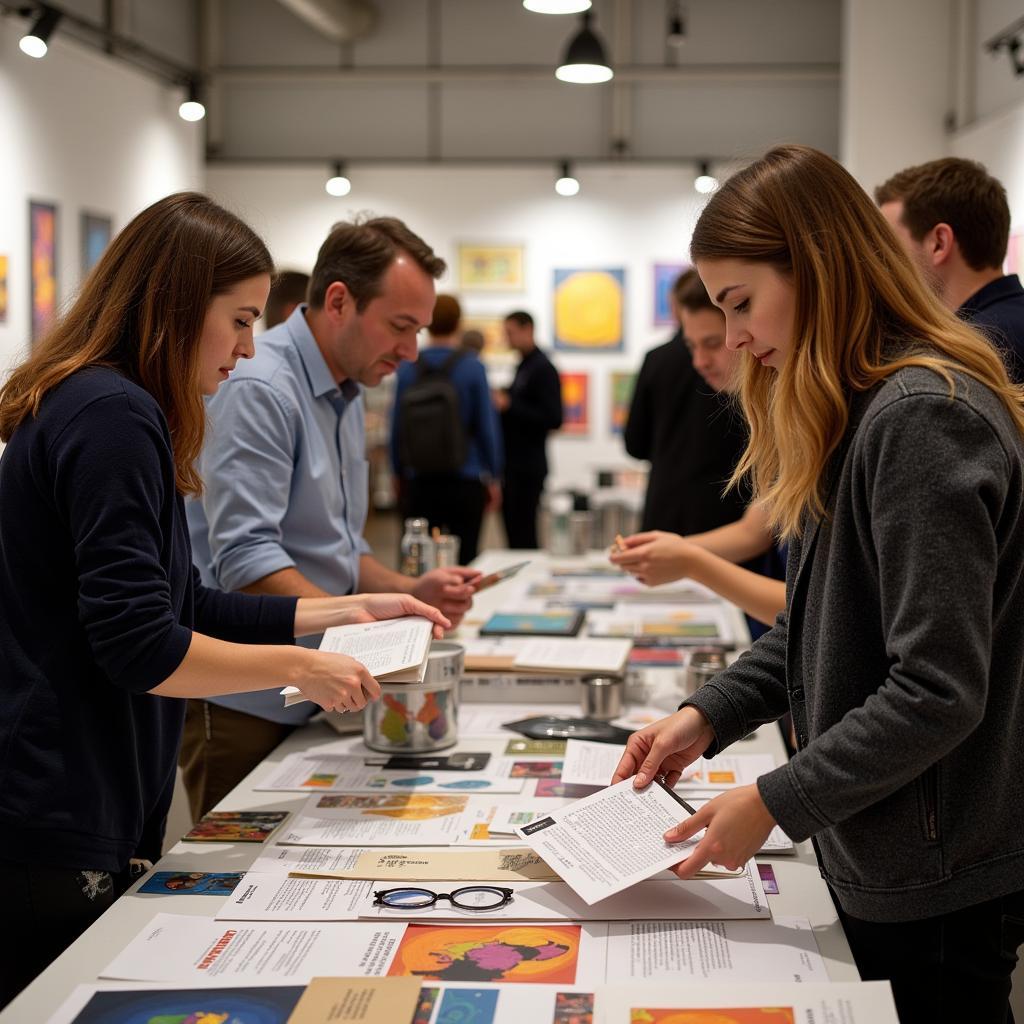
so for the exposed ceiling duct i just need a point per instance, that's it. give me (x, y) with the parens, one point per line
(343, 21)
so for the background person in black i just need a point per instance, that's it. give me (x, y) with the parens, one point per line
(530, 408)
(690, 435)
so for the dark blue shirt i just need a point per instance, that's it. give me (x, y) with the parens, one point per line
(98, 600)
(997, 310)
(475, 409)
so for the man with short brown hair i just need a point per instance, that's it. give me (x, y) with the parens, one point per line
(953, 219)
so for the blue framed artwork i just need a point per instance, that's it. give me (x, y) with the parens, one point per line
(665, 275)
(95, 231)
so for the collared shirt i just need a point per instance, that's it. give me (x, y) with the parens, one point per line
(997, 310)
(285, 476)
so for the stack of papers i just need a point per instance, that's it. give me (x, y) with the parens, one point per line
(556, 655)
(393, 651)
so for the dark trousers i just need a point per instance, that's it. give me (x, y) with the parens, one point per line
(45, 910)
(454, 505)
(220, 746)
(955, 967)
(519, 501)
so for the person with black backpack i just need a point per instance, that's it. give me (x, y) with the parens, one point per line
(446, 445)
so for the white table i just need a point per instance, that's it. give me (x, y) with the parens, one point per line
(802, 892)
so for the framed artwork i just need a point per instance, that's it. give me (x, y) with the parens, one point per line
(1015, 253)
(42, 242)
(589, 310)
(95, 231)
(3, 288)
(491, 268)
(620, 395)
(575, 403)
(665, 275)
(493, 330)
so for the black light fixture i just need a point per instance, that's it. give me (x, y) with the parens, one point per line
(1011, 39)
(35, 42)
(338, 184)
(676, 26)
(585, 61)
(192, 107)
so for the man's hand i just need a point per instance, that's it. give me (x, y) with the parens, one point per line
(655, 557)
(493, 500)
(449, 590)
(665, 748)
(500, 400)
(737, 823)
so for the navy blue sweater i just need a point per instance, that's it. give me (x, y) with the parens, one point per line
(98, 599)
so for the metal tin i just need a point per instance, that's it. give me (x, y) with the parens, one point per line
(415, 718)
(704, 664)
(602, 696)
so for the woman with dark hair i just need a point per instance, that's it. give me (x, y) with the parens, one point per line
(886, 446)
(102, 618)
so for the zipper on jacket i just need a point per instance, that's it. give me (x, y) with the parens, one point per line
(930, 794)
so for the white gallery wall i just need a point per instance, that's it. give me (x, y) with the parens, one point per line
(84, 132)
(623, 217)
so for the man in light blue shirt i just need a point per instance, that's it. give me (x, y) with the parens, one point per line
(286, 477)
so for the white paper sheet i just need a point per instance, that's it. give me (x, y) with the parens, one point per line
(607, 842)
(394, 650)
(275, 897)
(574, 654)
(177, 948)
(682, 951)
(282, 859)
(844, 1002)
(667, 899)
(346, 773)
(347, 819)
(727, 771)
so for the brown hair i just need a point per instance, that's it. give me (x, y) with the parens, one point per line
(694, 296)
(359, 253)
(141, 311)
(957, 192)
(520, 317)
(682, 283)
(857, 295)
(288, 289)
(447, 314)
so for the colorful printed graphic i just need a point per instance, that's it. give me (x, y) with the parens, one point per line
(415, 807)
(3, 289)
(192, 883)
(235, 826)
(573, 1008)
(589, 310)
(491, 268)
(665, 275)
(428, 1000)
(536, 770)
(430, 709)
(575, 403)
(570, 790)
(43, 277)
(620, 395)
(745, 1015)
(551, 623)
(256, 1005)
(521, 954)
(468, 1006)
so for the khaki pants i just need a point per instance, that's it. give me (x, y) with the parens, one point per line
(219, 748)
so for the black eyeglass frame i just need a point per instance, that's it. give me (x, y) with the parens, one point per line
(380, 897)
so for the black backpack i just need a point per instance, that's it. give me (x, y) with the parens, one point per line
(432, 438)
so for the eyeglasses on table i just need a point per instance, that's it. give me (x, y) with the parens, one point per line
(469, 897)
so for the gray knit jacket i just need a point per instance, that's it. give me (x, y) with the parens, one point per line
(901, 656)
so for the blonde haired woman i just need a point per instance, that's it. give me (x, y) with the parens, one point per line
(886, 445)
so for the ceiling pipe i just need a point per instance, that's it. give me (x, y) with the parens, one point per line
(343, 21)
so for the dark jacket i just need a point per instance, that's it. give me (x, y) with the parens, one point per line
(693, 439)
(997, 310)
(902, 658)
(535, 409)
(98, 599)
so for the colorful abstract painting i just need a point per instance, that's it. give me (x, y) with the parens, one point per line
(589, 310)
(95, 231)
(491, 268)
(665, 275)
(744, 1015)
(43, 277)
(3, 289)
(575, 404)
(620, 396)
(521, 954)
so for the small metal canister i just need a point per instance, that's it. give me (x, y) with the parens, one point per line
(703, 664)
(415, 718)
(602, 696)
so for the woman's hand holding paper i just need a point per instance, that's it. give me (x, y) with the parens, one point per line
(737, 823)
(665, 748)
